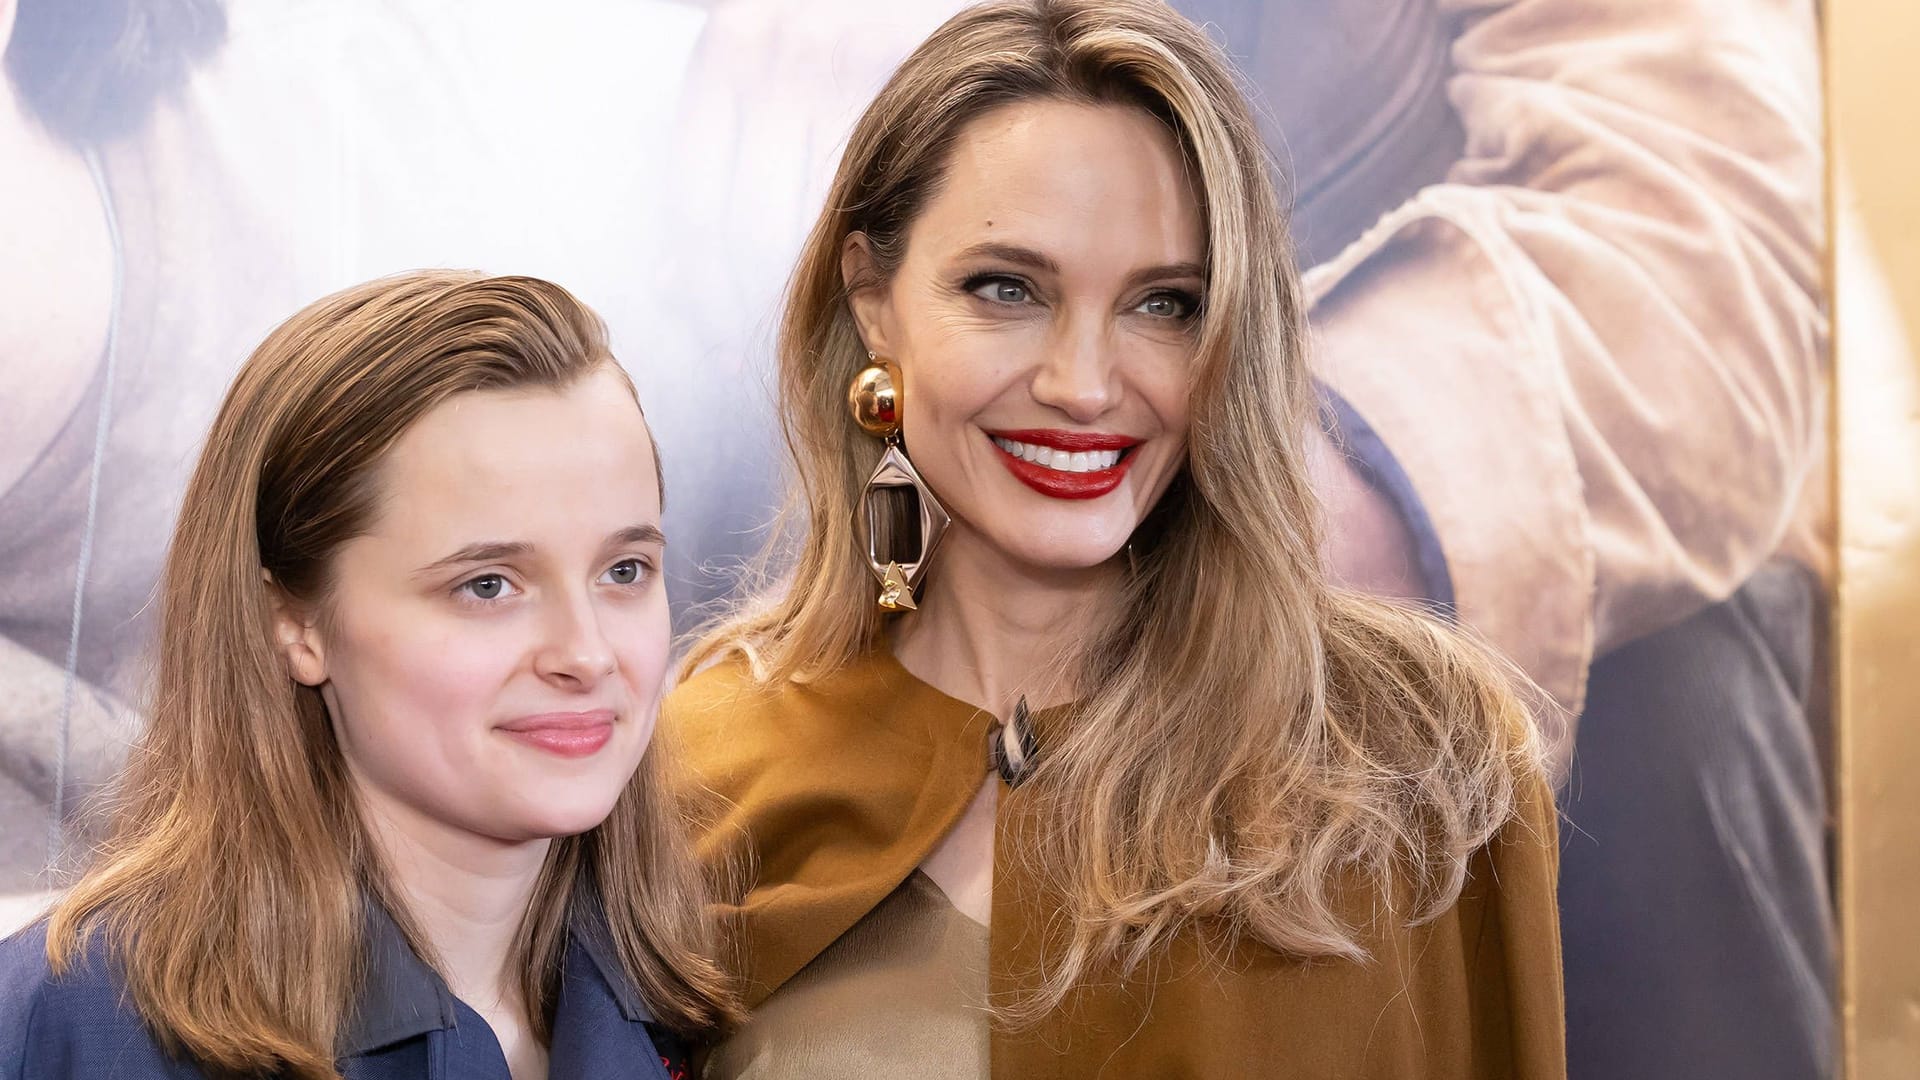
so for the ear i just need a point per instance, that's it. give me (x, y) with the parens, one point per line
(296, 632)
(870, 301)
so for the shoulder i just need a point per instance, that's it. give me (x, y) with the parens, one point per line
(733, 692)
(723, 728)
(1522, 859)
(79, 1022)
(726, 724)
(765, 763)
(1504, 929)
(718, 718)
(24, 975)
(1508, 923)
(725, 691)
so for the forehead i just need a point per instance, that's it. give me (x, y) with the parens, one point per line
(1101, 184)
(522, 465)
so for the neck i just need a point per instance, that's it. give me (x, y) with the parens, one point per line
(990, 630)
(466, 893)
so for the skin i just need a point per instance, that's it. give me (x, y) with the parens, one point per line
(1020, 304)
(426, 647)
(1049, 284)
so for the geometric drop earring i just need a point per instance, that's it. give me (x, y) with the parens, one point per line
(874, 399)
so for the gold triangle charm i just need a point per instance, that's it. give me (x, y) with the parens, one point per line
(895, 593)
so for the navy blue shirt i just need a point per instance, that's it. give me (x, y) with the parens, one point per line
(406, 1025)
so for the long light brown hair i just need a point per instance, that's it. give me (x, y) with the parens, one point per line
(1251, 737)
(233, 880)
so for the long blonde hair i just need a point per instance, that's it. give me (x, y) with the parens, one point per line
(232, 884)
(1251, 736)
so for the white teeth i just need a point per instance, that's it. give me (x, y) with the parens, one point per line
(1060, 460)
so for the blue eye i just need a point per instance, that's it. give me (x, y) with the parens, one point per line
(626, 572)
(1167, 305)
(487, 587)
(1000, 290)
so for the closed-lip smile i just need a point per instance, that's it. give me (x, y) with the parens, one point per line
(1065, 464)
(564, 734)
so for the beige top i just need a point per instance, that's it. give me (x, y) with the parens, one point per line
(914, 968)
(1598, 348)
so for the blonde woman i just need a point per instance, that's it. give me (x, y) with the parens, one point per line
(1056, 754)
(413, 638)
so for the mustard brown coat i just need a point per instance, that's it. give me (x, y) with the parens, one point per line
(832, 793)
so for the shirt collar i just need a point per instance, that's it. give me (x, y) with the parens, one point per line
(590, 930)
(402, 998)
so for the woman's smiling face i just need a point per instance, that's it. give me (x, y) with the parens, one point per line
(1044, 319)
(493, 647)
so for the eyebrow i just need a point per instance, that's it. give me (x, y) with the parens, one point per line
(1013, 253)
(1167, 272)
(503, 550)
(637, 534)
(1034, 260)
(485, 551)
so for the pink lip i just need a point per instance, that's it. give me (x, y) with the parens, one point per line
(568, 734)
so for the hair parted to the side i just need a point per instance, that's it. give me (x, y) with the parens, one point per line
(232, 884)
(1250, 737)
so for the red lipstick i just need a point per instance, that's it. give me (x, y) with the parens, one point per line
(1070, 441)
(1056, 483)
(567, 735)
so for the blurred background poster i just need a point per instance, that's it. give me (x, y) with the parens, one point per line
(1568, 267)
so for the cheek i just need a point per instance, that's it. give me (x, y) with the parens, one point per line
(642, 637)
(420, 685)
(1176, 405)
(954, 365)
(1161, 372)
(951, 388)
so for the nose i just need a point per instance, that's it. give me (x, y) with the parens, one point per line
(1080, 373)
(574, 652)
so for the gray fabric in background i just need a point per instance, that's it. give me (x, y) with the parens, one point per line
(1696, 913)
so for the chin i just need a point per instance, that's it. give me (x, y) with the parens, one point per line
(1062, 534)
(1066, 549)
(552, 815)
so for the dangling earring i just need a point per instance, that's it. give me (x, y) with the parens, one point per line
(874, 398)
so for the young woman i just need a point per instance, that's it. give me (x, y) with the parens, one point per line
(412, 646)
(1056, 754)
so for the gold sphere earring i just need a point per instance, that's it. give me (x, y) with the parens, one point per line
(874, 399)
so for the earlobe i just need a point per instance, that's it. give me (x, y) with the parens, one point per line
(297, 636)
(865, 296)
